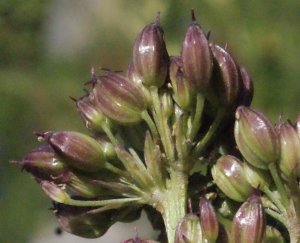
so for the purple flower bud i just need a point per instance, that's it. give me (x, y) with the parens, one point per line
(79, 221)
(289, 159)
(43, 163)
(256, 137)
(188, 229)
(209, 221)
(229, 175)
(81, 151)
(119, 99)
(150, 56)
(249, 223)
(226, 79)
(197, 58)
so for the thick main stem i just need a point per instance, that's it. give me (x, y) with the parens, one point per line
(174, 202)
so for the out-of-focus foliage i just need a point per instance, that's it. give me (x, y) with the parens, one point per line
(48, 47)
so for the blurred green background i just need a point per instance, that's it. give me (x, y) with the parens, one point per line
(47, 49)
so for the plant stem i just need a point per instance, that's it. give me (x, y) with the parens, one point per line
(174, 202)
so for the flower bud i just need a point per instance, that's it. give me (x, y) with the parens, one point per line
(256, 137)
(78, 221)
(273, 235)
(91, 114)
(189, 230)
(55, 192)
(197, 58)
(249, 223)
(81, 151)
(166, 103)
(289, 159)
(43, 163)
(209, 221)
(229, 175)
(82, 186)
(247, 89)
(182, 92)
(119, 99)
(150, 56)
(256, 177)
(226, 77)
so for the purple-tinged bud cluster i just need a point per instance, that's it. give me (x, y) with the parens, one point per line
(150, 126)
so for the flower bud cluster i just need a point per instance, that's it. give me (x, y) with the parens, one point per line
(150, 126)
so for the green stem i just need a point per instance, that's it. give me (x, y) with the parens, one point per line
(275, 200)
(149, 121)
(161, 122)
(172, 203)
(198, 114)
(275, 215)
(279, 185)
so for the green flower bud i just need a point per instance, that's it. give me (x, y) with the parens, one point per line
(209, 221)
(78, 221)
(247, 89)
(289, 159)
(166, 103)
(82, 186)
(197, 58)
(256, 177)
(273, 235)
(119, 99)
(43, 163)
(189, 230)
(256, 137)
(150, 55)
(91, 114)
(226, 79)
(107, 147)
(56, 193)
(81, 151)
(229, 175)
(249, 223)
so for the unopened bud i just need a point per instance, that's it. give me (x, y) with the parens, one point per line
(249, 222)
(197, 58)
(289, 159)
(256, 137)
(226, 77)
(209, 221)
(150, 55)
(91, 114)
(189, 230)
(119, 99)
(78, 221)
(229, 175)
(43, 163)
(256, 177)
(81, 151)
